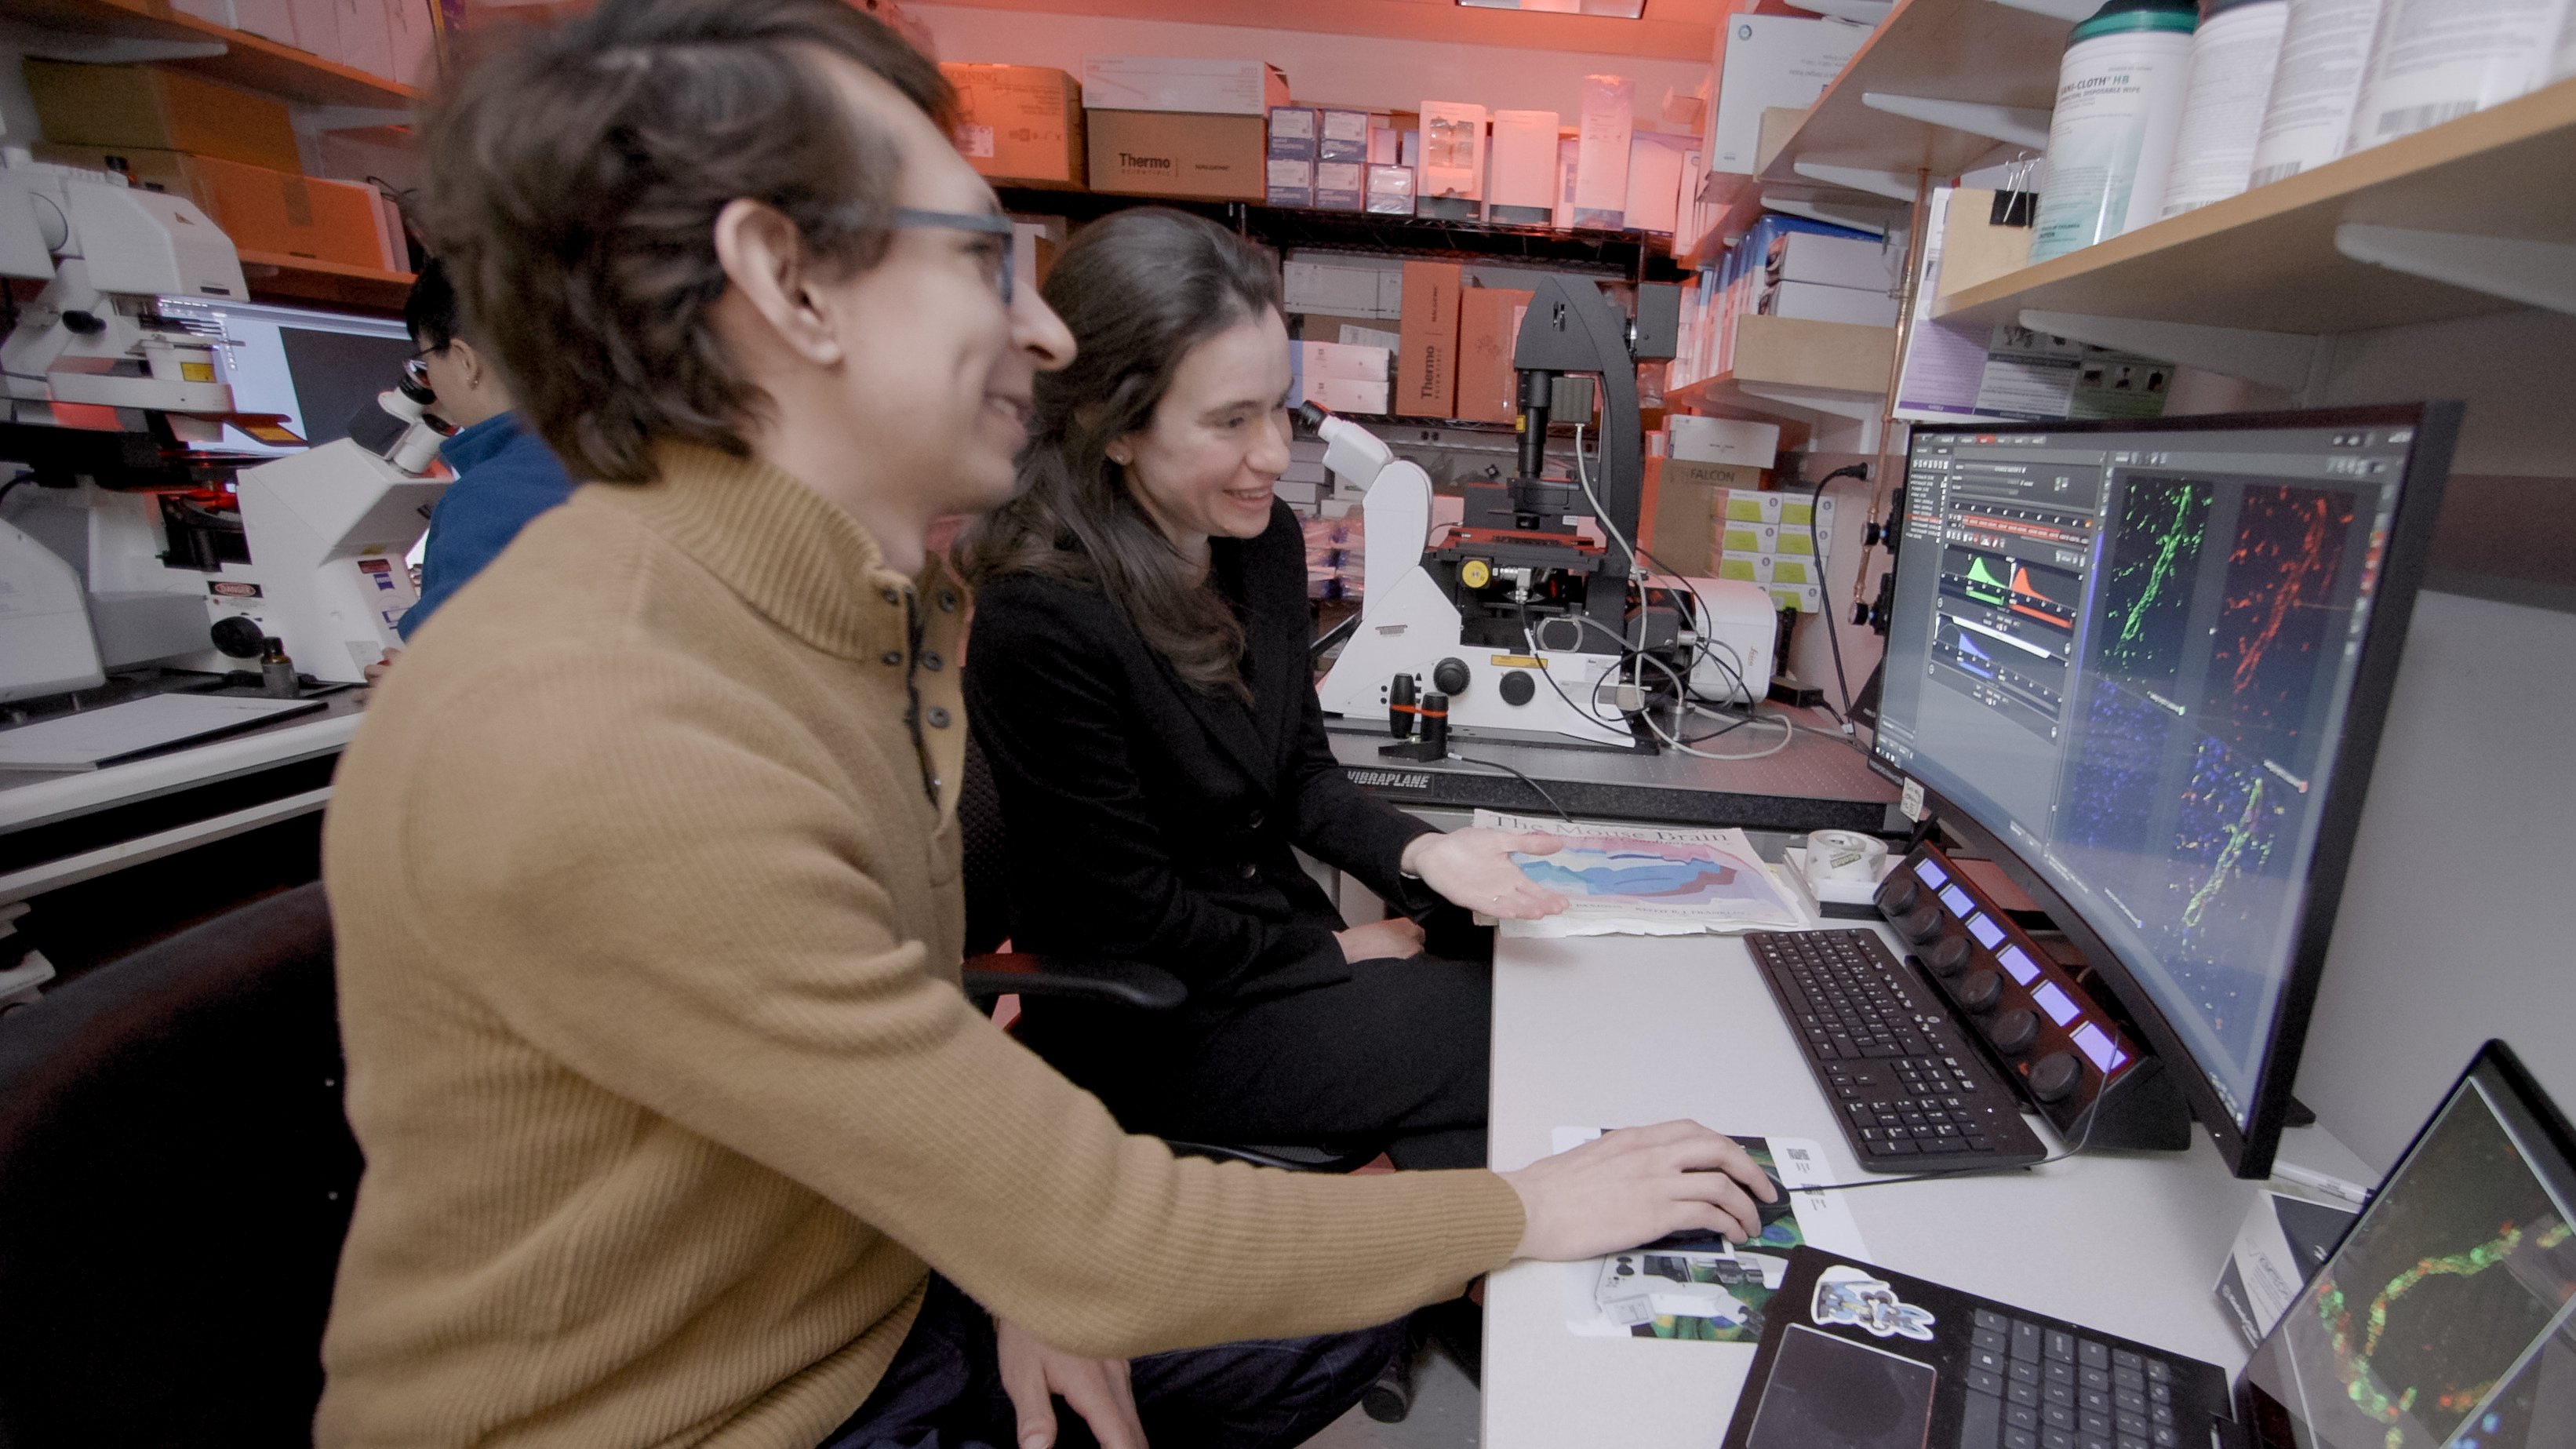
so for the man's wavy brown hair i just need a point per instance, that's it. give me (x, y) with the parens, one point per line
(575, 175)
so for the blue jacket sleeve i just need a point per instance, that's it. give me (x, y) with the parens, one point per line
(477, 517)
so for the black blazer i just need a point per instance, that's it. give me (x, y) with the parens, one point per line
(1152, 821)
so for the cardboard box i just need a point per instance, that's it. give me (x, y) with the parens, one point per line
(1489, 324)
(1292, 133)
(1569, 159)
(1771, 62)
(1341, 360)
(415, 37)
(1342, 135)
(260, 209)
(1182, 84)
(1601, 169)
(1348, 395)
(1724, 440)
(1020, 125)
(1324, 327)
(1352, 291)
(1426, 372)
(1523, 185)
(1833, 261)
(1165, 153)
(1812, 302)
(1673, 516)
(1654, 181)
(1453, 159)
(1385, 143)
(1339, 185)
(134, 106)
(1975, 251)
(1290, 181)
(301, 216)
(1715, 475)
(366, 36)
(1390, 189)
(270, 19)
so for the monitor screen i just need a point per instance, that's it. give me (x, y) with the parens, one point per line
(315, 368)
(2444, 1317)
(2134, 655)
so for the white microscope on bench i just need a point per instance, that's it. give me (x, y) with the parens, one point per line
(162, 560)
(1512, 624)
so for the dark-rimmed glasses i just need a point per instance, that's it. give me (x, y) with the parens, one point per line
(906, 218)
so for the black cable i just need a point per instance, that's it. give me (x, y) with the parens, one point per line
(1824, 579)
(1524, 779)
(8, 487)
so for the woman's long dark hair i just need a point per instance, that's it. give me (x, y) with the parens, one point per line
(1138, 290)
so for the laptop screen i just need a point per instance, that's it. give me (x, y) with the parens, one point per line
(2447, 1318)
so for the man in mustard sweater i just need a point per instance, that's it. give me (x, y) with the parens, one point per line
(645, 862)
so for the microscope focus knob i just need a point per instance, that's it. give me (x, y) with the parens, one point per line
(1948, 955)
(1980, 990)
(1896, 896)
(1922, 923)
(2014, 1031)
(1449, 676)
(1475, 573)
(1518, 688)
(2055, 1075)
(237, 636)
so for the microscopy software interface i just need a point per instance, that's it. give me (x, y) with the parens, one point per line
(2131, 654)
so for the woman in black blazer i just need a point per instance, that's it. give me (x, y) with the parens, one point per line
(1138, 677)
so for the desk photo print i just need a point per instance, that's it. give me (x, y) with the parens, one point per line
(1699, 1287)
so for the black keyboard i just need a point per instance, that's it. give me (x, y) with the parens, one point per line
(1909, 1091)
(2033, 1386)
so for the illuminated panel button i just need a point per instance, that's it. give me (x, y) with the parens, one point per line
(1988, 934)
(1961, 903)
(2060, 1007)
(2097, 1045)
(2018, 965)
(1930, 874)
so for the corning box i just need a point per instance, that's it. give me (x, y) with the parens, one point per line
(1339, 185)
(1342, 135)
(1292, 133)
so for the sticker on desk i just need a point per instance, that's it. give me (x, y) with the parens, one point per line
(1649, 880)
(1909, 802)
(1846, 1295)
(1701, 1287)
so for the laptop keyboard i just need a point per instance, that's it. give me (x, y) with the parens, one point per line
(2031, 1386)
(1908, 1091)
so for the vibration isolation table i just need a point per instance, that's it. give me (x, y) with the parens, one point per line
(1618, 1031)
(1819, 782)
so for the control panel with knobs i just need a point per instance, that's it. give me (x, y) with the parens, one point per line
(2054, 1042)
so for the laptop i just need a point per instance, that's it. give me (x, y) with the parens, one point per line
(2446, 1319)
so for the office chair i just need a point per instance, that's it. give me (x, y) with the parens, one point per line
(176, 1177)
(1134, 985)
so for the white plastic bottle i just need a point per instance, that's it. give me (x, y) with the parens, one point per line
(2119, 103)
(2233, 54)
(2437, 60)
(2325, 56)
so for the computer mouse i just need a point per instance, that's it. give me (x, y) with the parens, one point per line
(1703, 1240)
(1781, 1207)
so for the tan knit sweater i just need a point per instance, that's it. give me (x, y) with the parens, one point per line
(648, 934)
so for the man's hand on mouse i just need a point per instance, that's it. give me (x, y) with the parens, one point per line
(1636, 1185)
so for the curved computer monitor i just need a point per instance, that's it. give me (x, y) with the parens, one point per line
(2144, 664)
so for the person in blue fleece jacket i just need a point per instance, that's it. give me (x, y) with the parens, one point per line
(505, 475)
